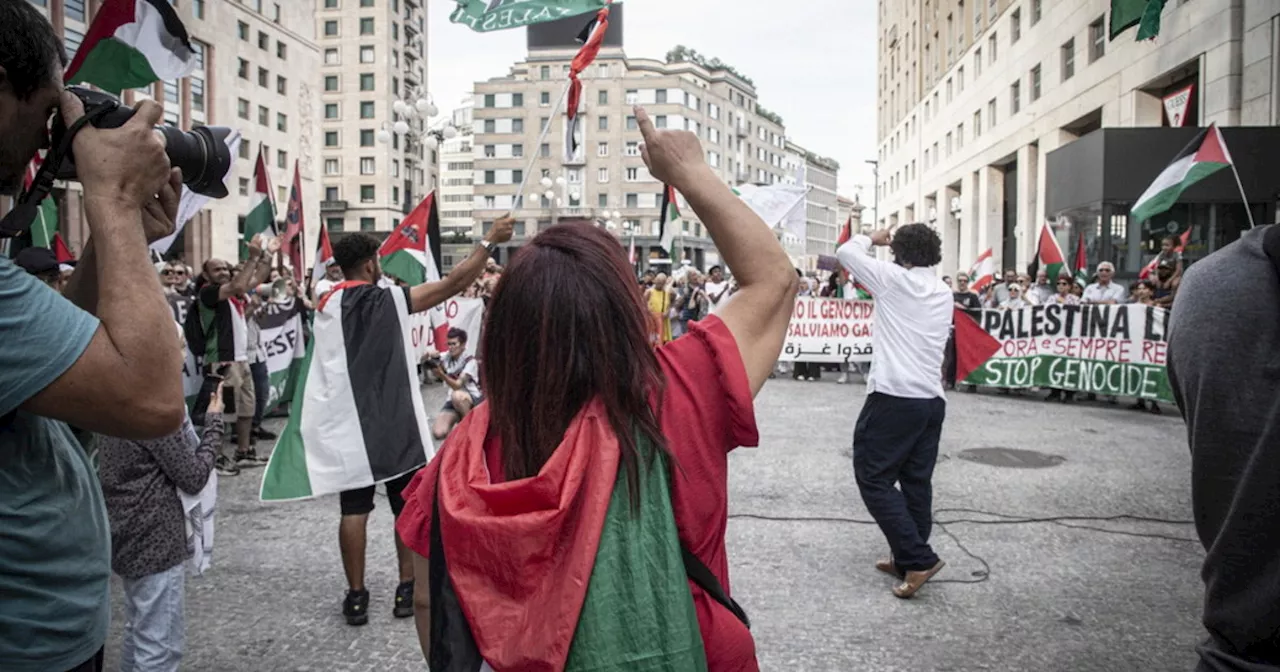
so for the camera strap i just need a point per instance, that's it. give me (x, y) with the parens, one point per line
(24, 211)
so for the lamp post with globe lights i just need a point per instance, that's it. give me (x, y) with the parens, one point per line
(411, 121)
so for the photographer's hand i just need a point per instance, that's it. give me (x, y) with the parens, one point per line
(160, 215)
(126, 166)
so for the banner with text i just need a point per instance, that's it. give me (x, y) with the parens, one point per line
(1103, 349)
(829, 331)
(465, 314)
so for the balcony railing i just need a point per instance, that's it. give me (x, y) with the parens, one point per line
(333, 206)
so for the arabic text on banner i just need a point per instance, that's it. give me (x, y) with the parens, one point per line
(829, 331)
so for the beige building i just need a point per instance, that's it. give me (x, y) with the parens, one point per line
(371, 77)
(248, 54)
(974, 96)
(457, 190)
(744, 142)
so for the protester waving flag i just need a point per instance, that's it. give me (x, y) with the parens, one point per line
(131, 44)
(295, 227)
(483, 16)
(1048, 255)
(1150, 268)
(359, 419)
(591, 37)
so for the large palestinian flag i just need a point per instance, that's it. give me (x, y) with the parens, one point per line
(1202, 157)
(131, 44)
(1048, 255)
(359, 419)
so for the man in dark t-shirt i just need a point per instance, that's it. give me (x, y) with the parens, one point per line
(969, 302)
(1224, 367)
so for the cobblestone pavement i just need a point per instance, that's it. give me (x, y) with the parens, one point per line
(1057, 598)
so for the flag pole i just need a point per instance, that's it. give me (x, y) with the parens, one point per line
(555, 112)
(1243, 197)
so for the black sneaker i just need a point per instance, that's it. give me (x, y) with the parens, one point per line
(225, 466)
(404, 600)
(250, 459)
(356, 607)
(264, 434)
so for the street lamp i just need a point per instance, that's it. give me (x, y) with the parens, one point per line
(421, 108)
(875, 202)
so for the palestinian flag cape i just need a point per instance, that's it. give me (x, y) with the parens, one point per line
(1081, 265)
(131, 44)
(552, 572)
(591, 38)
(359, 418)
(1048, 255)
(983, 272)
(483, 16)
(1202, 157)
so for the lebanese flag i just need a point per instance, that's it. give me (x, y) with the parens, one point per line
(295, 228)
(1202, 157)
(262, 213)
(983, 272)
(360, 419)
(591, 37)
(545, 573)
(1082, 263)
(324, 257)
(1150, 268)
(412, 253)
(131, 44)
(1048, 255)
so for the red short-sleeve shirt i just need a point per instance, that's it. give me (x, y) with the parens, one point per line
(706, 411)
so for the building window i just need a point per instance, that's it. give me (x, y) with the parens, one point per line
(282, 121)
(632, 149)
(602, 149)
(367, 224)
(1097, 39)
(1035, 11)
(197, 8)
(197, 94)
(948, 145)
(631, 123)
(602, 97)
(242, 110)
(960, 79)
(991, 113)
(545, 150)
(330, 140)
(243, 70)
(331, 28)
(489, 100)
(949, 90)
(282, 85)
(544, 98)
(602, 200)
(366, 54)
(517, 100)
(333, 224)
(977, 62)
(1015, 97)
(331, 57)
(330, 82)
(331, 110)
(332, 167)
(263, 41)
(1069, 59)
(244, 150)
(330, 4)
(660, 121)
(366, 109)
(282, 158)
(282, 50)
(366, 26)
(263, 115)
(490, 126)
(992, 43)
(332, 194)
(602, 175)
(633, 200)
(1015, 26)
(262, 77)
(517, 176)
(960, 136)
(368, 193)
(490, 177)
(977, 124)
(517, 125)
(366, 137)
(517, 151)
(242, 30)
(366, 81)
(633, 175)
(366, 3)
(368, 165)
(544, 72)
(1035, 83)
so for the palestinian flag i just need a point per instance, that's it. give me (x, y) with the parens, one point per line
(670, 212)
(1082, 263)
(974, 346)
(412, 253)
(262, 212)
(983, 272)
(61, 252)
(483, 16)
(846, 234)
(324, 256)
(1048, 255)
(591, 38)
(295, 228)
(1145, 14)
(1204, 156)
(358, 419)
(610, 590)
(131, 44)
(45, 225)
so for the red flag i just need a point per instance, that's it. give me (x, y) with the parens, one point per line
(1151, 267)
(592, 37)
(61, 251)
(845, 233)
(294, 226)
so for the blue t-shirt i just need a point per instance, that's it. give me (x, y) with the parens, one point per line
(55, 542)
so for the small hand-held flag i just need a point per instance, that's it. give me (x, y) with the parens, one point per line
(412, 253)
(592, 37)
(295, 228)
(983, 272)
(670, 212)
(131, 44)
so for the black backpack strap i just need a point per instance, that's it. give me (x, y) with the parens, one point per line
(700, 574)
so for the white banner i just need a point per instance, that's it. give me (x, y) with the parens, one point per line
(281, 337)
(829, 331)
(465, 314)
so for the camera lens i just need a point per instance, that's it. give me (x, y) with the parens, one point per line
(203, 156)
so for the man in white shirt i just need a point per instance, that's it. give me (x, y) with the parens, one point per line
(1104, 290)
(896, 438)
(717, 289)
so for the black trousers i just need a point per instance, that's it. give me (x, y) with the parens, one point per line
(896, 442)
(261, 388)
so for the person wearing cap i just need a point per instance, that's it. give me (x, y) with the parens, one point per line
(1165, 285)
(42, 263)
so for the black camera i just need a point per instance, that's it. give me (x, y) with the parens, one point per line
(202, 155)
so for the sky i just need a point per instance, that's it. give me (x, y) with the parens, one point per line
(813, 63)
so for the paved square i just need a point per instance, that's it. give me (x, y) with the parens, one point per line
(1057, 598)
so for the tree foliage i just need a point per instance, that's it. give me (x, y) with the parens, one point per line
(683, 54)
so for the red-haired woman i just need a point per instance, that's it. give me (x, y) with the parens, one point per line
(576, 519)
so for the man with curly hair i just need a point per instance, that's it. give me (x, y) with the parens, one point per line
(896, 437)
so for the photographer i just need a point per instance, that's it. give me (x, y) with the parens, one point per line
(89, 362)
(461, 373)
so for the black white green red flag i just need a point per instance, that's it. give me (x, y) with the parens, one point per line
(324, 257)
(412, 254)
(1049, 256)
(261, 217)
(130, 44)
(1202, 157)
(592, 37)
(485, 15)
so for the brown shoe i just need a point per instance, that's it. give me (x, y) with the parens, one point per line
(886, 565)
(914, 580)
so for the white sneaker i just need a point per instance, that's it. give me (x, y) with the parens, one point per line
(844, 378)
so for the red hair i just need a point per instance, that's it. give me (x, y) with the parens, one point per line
(567, 324)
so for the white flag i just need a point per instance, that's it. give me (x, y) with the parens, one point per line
(191, 202)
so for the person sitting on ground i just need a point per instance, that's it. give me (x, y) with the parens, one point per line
(461, 374)
(596, 458)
